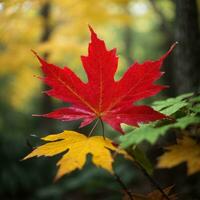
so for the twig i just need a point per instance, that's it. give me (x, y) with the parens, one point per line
(95, 125)
(118, 179)
(152, 180)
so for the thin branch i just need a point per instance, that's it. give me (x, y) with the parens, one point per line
(95, 125)
(102, 125)
(152, 180)
(118, 179)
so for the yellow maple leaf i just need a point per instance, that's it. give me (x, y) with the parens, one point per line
(78, 146)
(186, 150)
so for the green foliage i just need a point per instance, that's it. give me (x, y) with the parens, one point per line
(172, 105)
(141, 158)
(183, 112)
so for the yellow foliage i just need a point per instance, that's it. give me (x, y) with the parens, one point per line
(78, 146)
(16, 59)
(186, 150)
(22, 27)
(22, 81)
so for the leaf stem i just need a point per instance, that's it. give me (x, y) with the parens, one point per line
(119, 180)
(152, 180)
(102, 125)
(95, 125)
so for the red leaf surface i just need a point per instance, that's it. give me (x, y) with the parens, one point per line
(102, 96)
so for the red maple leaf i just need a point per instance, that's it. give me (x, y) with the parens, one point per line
(102, 96)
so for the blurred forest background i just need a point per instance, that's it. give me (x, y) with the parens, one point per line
(58, 30)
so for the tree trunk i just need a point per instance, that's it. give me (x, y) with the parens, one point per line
(187, 57)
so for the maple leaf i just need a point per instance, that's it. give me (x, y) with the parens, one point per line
(186, 150)
(172, 105)
(151, 133)
(154, 195)
(78, 146)
(102, 96)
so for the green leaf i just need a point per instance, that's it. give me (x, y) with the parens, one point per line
(195, 108)
(144, 132)
(174, 108)
(171, 105)
(151, 133)
(195, 99)
(194, 105)
(183, 122)
(142, 159)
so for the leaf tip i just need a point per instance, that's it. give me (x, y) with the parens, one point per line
(169, 51)
(27, 157)
(90, 28)
(93, 34)
(173, 46)
(38, 57)
(35, 53)
(56, 178)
